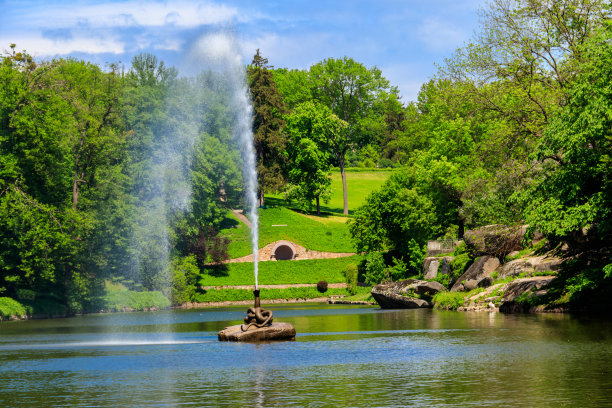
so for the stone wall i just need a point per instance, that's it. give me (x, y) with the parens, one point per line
(300, 253)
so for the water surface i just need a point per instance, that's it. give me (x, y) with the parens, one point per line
(342, 356)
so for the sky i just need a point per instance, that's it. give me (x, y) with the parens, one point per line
(404, 38)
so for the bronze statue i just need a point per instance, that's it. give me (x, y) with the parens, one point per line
(256, 316)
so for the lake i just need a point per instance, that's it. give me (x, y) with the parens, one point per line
(342, 356)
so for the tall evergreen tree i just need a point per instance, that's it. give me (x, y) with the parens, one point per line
(268, 126)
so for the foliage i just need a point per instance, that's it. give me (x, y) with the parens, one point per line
(459, 265)
(350, 90)
(376, 271)
(351, 274)
(268, 126)
(10, 307)
(394, 217)
(312, 129)
(322, 286)
(128, 300)
(185, 273)
(576, 190)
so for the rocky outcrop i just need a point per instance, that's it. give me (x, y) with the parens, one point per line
(494, 240)
(430, 267)
(434, 266)
(534, 287)
(478, 274)
(530, 265)
(406, 294)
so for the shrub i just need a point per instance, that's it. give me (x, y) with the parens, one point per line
(10, 307)
(398, 270)
(185, 273)
(351, 273)
(322, 286)
(459, 265)
(376, 271)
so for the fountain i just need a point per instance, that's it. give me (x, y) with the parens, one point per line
(258, 324)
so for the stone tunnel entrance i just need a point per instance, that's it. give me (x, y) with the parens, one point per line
(283, 252)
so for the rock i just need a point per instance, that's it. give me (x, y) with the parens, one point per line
(430, 267)
(434, 266)
(445, 268)
(529, 265)
(478, 274)
(276, 331)
(404, 294)
(516, 288)
(494, 240)
(535, 286)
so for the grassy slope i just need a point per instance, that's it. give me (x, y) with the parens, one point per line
(328, 236)
(280, 272)
(327, 233)
(360, 183)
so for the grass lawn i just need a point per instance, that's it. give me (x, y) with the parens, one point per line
(329, 234)
(221, 295)
(360, 183)
(279, 272)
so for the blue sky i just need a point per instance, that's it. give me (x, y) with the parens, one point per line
(404, 38)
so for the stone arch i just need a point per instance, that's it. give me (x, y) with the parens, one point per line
(283, 250)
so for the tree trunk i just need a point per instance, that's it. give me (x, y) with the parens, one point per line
(318, 207)
(75, 192)
(262, 201)
(344, 192)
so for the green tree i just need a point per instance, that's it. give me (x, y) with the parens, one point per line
(312, 129)
(268, 126)
(350, 90)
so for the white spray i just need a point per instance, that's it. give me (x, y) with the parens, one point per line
(221, 52)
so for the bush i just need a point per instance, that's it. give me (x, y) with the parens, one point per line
(10, 307)
(398, 270)
(376, 271)
(322, 286)
(185, 273)
(351, 273)
(459, 265)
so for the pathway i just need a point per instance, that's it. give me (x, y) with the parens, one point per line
(242, 217)
(287, 286)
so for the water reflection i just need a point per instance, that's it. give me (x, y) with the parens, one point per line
(342, 356)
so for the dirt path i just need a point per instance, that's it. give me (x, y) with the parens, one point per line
(294, 285)
(242, 217)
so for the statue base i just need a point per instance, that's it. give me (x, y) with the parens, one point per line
(273, 332)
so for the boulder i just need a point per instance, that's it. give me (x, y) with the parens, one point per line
(530, 265)
(535, 286)
(276, 331)
(434, 266)
(445, 268)
(406, 294)
(430, 267)
(494, 240)
(478, 274)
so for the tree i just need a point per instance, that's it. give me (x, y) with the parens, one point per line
(576, 191)
(268, 126)
(349, 89)
(312, 129)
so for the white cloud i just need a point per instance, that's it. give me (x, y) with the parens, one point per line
(44, 47)
(132, 13)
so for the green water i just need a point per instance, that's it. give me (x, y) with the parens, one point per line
(342, 356)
